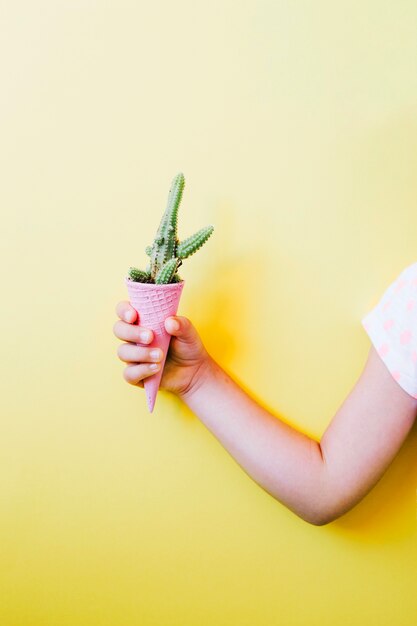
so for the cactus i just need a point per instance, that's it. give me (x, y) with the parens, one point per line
(138, 275)
(167, 252)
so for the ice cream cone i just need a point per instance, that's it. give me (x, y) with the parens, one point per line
(154, 303)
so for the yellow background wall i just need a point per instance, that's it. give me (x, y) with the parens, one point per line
(295, 126)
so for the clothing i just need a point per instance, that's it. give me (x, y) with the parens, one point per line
(392, 327)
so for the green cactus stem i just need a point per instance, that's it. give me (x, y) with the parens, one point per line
(138, 275)
(166, 238)
(190, 245)
(167, 252)
(167, 271)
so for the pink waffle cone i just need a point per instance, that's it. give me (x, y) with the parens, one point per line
(154, 303)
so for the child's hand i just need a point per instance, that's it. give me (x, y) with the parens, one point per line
(186, 359)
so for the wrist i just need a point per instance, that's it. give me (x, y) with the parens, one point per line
(203, 373)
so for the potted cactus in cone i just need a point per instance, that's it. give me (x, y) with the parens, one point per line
(155, 292)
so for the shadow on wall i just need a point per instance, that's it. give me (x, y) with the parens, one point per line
(224, 303)
(220, 299)
(389, 510)
(379, 179)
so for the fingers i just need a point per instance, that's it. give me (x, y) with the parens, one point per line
(133, 374)
(131, 332)
(126, 311)
(131, 353)
(181, 327)
(126, 328)
(172, 325)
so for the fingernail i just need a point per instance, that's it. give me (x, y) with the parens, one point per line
(145, 336)
(174, 324)
(129, 316)
(155, 354)
(154, 366)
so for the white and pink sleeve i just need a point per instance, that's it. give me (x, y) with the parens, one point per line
(392, 327)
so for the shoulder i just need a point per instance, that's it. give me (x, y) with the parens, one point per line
(392, 327)
(409, 271)
(403, 285)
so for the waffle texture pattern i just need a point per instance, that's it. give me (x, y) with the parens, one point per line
(154, 303)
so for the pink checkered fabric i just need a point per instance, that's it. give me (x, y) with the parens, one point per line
(392, 327)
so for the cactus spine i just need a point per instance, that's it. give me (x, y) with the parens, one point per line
(167, 252)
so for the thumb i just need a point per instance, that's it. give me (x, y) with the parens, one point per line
(182, 328)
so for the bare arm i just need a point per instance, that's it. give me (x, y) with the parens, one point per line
(319, 481)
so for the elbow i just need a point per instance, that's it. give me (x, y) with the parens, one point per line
(326, 501)
(324, 510)
(329, 506)
(320, 518)
(325, 514)
(316, 515)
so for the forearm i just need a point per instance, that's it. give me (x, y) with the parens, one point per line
(282, 460)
